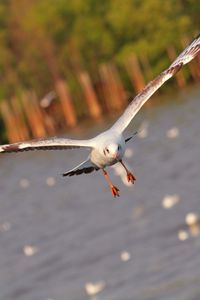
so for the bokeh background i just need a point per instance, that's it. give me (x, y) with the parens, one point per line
(70, 68)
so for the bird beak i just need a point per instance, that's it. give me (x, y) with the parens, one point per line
(115, 156)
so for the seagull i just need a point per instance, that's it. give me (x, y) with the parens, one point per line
(108, 147)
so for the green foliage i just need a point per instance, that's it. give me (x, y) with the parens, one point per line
(83, 34)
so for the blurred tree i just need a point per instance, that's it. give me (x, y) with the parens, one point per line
(85, 33)
(7, 73)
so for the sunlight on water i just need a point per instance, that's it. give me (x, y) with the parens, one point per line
(30, 250)
(125, 256)
(6, 226)
(173, 133)
(191, 219)
(170, 200)
(24, 183)
(50, 181)
(182, 235)
(94, 288)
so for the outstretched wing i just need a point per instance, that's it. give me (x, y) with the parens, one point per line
(186, 56)
(46, 144)
(85, 167)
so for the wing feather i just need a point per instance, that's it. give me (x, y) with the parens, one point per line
(45, 144)
(186, 56)
(84, 168)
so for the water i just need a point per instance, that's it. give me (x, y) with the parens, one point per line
(59, 234)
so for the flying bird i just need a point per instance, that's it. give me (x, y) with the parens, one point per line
(108, 148)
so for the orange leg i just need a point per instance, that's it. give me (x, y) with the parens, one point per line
(130, 176)
(114, 189)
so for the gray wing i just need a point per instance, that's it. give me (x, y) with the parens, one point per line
(46, 144)
(186, 56)
(85, 167)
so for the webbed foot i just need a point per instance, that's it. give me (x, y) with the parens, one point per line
(115, 191)
(130, 177)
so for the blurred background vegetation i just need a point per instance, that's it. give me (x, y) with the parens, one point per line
(43, 40)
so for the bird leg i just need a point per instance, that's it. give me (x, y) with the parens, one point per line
(130, 176)
(114, 189)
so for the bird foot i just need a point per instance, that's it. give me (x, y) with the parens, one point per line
(115, 191)
(131, 177)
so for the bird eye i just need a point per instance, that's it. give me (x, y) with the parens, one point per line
(119, 147)
(105, 150)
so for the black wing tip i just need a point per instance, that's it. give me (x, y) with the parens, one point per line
(66, 174)
(80, 171)
(129, 138)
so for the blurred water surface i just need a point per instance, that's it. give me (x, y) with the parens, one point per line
(59, 237)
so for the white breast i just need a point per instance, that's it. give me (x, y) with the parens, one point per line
(100, 159)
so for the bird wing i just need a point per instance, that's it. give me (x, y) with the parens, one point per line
(186, 56)
(46, 144)
(85, 167)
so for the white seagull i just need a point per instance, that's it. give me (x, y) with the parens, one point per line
(108, 147)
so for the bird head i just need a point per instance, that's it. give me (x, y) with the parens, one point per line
(113, 151)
